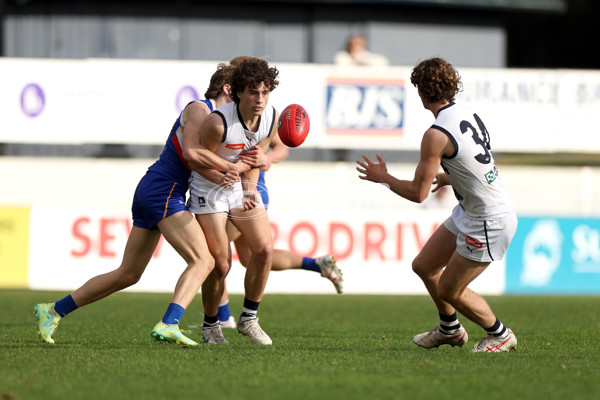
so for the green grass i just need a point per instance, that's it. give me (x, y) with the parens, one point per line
(325, 347)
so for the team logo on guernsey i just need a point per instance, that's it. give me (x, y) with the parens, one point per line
(235, 146)
(491, 175)
(473, 242)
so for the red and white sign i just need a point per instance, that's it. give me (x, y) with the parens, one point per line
(71, 244)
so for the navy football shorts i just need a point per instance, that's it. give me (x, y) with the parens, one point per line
(261, 186)
(156, 197)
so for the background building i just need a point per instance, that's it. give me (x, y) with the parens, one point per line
(471, 33)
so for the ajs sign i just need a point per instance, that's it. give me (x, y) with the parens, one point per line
(358, 106)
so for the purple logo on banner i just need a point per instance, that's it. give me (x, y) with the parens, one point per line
(32, 100)
(184, 96)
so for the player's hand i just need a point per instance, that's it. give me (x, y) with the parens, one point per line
(250, 199)
(440, 181)
(372, 171)
(230, 178)
(255, 157)
(269, 161)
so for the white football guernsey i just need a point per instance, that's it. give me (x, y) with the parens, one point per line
(471, 169)
(208, 197)
(237, 137)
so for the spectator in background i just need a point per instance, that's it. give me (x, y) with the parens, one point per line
(356, 53)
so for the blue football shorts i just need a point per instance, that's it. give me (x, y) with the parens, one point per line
(261, 186)
(156, 197)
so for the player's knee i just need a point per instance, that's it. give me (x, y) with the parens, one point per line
(418, 268)
(263, 254)
(222, 267)
(206, 263)
(200, 266)
(128, 279)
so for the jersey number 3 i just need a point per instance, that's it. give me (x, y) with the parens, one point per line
(481, 139)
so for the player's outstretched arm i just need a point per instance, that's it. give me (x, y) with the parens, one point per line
(433, 146)
(279, 152)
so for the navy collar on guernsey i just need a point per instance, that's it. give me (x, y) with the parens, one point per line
(237, 108)
(446, 106)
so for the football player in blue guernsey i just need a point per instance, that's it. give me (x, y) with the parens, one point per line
(481, 226)
(159, 208)
(246, 123)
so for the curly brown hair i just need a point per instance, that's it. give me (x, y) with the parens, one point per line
(221, 76)
(250, 73)
(235, 61)
(437, 80)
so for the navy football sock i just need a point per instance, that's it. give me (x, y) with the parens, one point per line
(449, 324)
(173, 314)
(497, 330)
(249, 310)
(223, 313)
(65, 306)
(310, 264)
(210, 322)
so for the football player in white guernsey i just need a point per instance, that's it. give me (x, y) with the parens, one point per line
(481, 226)
(247, 123)
(325, 266)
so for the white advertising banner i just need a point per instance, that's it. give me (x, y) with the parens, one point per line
(137, 101)
(96, 101)
(536, 110)
(71, 244)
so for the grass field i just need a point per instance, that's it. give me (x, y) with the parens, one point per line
(325, 347)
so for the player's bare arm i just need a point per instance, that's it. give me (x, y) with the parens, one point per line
(257, 156)
(433, 146)
(254, 157)
(198, 137)
(250, 177)
(223, 179)
(279, 152)
(441, 180)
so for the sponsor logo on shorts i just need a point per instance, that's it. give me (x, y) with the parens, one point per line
(235, 146)
(201, 201)
(473, 242)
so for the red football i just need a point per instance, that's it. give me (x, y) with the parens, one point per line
(294, 125)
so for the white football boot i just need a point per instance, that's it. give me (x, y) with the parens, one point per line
(330, 270)
(435, 338)
(491, 344)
